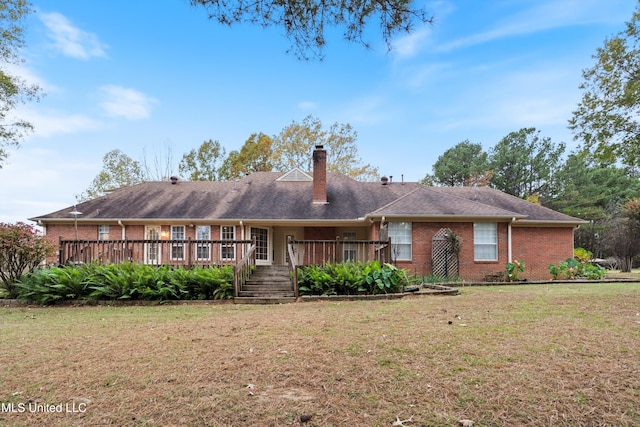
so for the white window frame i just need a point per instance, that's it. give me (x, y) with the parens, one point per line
(203, 250)
(227, 251)
(349, 250)
(485, 241)
(102, 234)
(177, 249)
(401, 240)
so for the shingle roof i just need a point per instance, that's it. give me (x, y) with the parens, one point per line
(425, 201)
(489, 196)
(260, 196)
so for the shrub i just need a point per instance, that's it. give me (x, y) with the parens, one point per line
(126, 281)
(582, 255)
(573, 269)
(514, 269)
(22, 249)
(351, 278)
(55, 284)
(594, 272)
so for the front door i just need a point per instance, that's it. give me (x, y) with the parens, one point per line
(152, 252)
(262, 245)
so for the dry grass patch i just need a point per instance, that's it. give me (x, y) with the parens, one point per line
(562, 354)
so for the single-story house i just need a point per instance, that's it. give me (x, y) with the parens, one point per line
(467, 232)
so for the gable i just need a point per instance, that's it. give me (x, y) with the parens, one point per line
(295, 175)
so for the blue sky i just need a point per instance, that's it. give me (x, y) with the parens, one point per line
(145, 75)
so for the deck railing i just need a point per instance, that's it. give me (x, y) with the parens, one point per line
(188, 253)
(243, 269)
(320, 252)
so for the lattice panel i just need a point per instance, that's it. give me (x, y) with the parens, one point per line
(444, 260)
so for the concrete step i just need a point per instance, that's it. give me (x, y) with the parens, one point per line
(266, 295)
(266, 281)
(267, 285)
(264, 300)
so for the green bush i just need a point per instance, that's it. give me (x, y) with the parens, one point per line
(126, 281)
(574, 268)
(351, 278)
(514, 269)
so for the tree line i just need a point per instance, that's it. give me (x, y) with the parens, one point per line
(260, 153)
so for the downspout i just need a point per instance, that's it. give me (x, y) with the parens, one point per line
(124, 234)
(509, 249)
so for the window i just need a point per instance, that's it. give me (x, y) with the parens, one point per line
(400, 234)
(349, 249)
(228, 232)
(103, 232)
(485, 241)
(177, 249)
(203, 250)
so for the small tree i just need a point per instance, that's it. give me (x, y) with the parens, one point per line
(203, 164)
(461, 165)
(22, 249)
(118, 170)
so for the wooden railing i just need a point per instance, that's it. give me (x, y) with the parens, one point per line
(188, 253)
(320, 252)
(243, 269)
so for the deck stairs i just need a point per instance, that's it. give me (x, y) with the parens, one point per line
(267, 285)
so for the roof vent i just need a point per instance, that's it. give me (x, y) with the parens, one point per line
(174, 180)
(384, 180)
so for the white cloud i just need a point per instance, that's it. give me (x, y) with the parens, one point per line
(71, 40)
(127, 103)
(419, 40)
(307, 105)
(48, 124)
(411, 44)
(541, 17)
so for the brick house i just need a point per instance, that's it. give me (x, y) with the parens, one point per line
(325, 216)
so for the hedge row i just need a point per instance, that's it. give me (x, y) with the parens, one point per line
(125, 281)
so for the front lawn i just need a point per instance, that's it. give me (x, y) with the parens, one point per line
(558, 354)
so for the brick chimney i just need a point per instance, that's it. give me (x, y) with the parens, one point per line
(320, 175)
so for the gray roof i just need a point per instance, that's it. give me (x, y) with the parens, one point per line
(260, 196)
(531, 211)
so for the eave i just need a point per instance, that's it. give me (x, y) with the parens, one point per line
(548, 223)
(447, 218)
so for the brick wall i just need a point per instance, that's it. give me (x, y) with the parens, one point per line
(536, 246)
(540, 246)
